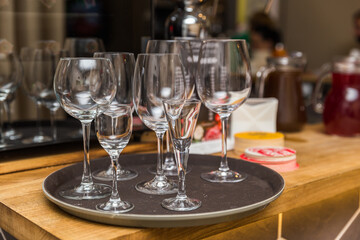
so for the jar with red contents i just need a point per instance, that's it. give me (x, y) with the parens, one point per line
(341, 108)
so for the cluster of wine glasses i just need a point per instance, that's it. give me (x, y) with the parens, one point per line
(39, 69)
(10, 78)
(34, 71)
(165, 86)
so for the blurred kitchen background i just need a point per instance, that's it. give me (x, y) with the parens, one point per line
(320, 29)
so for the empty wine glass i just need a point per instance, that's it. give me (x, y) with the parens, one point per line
(113, 129)
(10, 75)
(81, 85)
(123, 64)
(183, 48)
(44, 62)
(83, 47)
(157, 77)
(182, 117)
(31, 88)
(223, 85)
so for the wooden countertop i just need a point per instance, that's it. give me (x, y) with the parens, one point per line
(329, 165)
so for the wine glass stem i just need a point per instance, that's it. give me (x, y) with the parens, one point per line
(2, 137)
(52, 124)
(118, 165)
(168, 158)
(8, 114)
(114, 161)
(86, 178)
(181, 161)
(224, 127)
(38, 122)
(167, 142)
(159, 169)
(181, 187)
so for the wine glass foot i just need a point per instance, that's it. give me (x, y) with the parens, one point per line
(122, 175)
(85, 192)
(169, 170)
(37, 139)
(181, 204)
(12, 134)
(115, 206)
(159, 185)
(4, 145)
(223, 176)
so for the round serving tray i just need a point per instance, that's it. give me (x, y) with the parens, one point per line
(220, 201)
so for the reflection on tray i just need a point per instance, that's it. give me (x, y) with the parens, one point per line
(67, 131)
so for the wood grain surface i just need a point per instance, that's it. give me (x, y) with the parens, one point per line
(329, 165)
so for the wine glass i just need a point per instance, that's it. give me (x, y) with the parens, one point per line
(123, 64)
(31, 87)
(182, 117)
(223, 85)
(83, 47)
(44, 62)
(10, 76)
(113, 129)
(81, 85)
(183, 48)
(157, 77)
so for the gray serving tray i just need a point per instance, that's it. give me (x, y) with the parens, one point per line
(221, 202)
